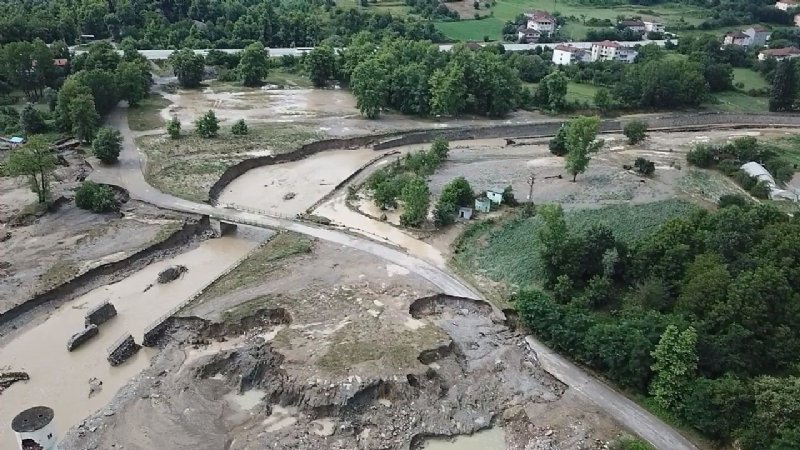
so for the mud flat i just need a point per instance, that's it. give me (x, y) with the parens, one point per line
(291, 187)
(335, 350)
(60, 379)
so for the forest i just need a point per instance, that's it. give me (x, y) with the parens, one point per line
(700, 316)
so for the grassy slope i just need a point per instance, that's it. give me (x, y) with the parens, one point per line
(750, 78)
(508, 252)
(734, 101)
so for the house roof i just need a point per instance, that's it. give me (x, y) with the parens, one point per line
(758, 29)
(568, 48)
(528, 31)
(607, 43)
(60, 62)
(779, 52)
(16, 140)
(632, 23)
(496, 190)
(540, 16)
(736, 35)
(787, 2)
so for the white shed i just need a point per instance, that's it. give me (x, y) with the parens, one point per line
(495, 194)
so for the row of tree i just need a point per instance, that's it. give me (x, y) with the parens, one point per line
(699, 315)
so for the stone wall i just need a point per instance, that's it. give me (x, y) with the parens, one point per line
(154, 332)
(123, 349)
(82, 337)
(100, 314)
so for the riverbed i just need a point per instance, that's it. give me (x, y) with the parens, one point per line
(60, 379)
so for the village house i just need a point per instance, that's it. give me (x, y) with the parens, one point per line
(655, 27)
(758, 36)
(736, 38)
(564, 55)
(634, 25)
(495, 194)
(785, 5)
(541, 21)
(779, 54)
(612, 51)
(527, 35)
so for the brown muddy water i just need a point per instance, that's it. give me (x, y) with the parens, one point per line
(491, 439)
(60, 379)
(276, 105)
(268, 188)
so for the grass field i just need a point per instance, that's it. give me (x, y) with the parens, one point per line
(505, 10)
(576, 92)
(508, 252)
(147, 114)
(733, 101)
(749, 78)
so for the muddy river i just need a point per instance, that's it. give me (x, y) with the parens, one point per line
(60, 379)
(290, 188)
(491, 439)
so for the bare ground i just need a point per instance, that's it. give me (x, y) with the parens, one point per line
(332, 351)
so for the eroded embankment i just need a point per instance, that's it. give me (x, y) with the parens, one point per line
(351, 410)
(109, 272)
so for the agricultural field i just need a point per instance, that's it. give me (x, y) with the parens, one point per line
(505, 10)
(508, 251)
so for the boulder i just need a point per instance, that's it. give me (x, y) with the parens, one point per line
(171, 274)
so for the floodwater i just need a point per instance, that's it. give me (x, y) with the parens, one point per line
(308, 179)
(60, 379)
(337, 211)
(275, 105)
(491, 439)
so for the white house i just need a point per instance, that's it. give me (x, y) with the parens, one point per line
(541, 21)
(633, 25)
(564, 55)
(779, 54)
(527, 35)
(737, 38)
(785, 5)
(612, 51)
(758, 35)
(495, 194)
(655, 27)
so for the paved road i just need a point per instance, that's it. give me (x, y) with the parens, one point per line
(128, 174)
(299, 51)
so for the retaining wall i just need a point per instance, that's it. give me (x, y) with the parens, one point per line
(85, 281)
(124, 348)
(100, 314)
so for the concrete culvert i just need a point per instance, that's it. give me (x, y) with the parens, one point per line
(171, 274)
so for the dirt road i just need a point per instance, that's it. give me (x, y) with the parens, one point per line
(128, 174)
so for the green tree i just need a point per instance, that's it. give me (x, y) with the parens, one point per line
(103, 86)
(107, 145)
(603, 100)
(207, 125)
(95, 197)
(321, 64)
(552, 91)
(558, 145)
(635, 131)
(83, 117)
(35, 161)
(439, 149)
(416, 201)
(239, 128)
(368, 83)
(188, 67)
(71, 89)
(131, 82)
(581, 142)
(174, 128)
(50, 97)
(783, 87)
(31, 121)
(675, 366)
(458, 192)
(254, 64)
(448, 90)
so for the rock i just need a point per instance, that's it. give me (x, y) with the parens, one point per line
(171, 274)
(95, 386)
(9, 378)
(82, 337)
(289, 196)
(5, 236)
(108, 413)
(383, 217)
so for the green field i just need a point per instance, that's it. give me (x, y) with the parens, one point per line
(734, 101)
(750, 78)
(508, 252)
(576, 92)
(505, 10)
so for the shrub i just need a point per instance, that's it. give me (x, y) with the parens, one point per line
(732, 200)
(207, 126)
(701, 156)
(174, 128)
(239, 128)
(558, 145)
(728, 167)
(107, 145)
(508, 197)
(95, 197)
(644, 166)
(760, 189)
(635, 131)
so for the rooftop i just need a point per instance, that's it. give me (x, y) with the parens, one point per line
(632, 23)
(607, 43)
(786, 51)
(568, 48)
(540, 15)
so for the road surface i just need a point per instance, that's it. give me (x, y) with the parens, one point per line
(128, 174)
(155, 55)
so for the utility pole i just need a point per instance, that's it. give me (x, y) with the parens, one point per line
(531, 179)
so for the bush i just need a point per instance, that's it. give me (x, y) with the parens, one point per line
(95, 197)
(508, 197)
(760, 190)
(728, 167)
(732, 200)
(107, 145)
(207, 126)
(558, 145)
(239, 128)
(644, 166)
(635, 131)
(701, 156)
(174, 128)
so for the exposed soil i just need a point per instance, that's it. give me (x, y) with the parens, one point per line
(334, 351)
